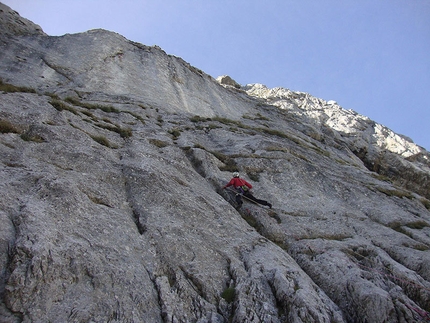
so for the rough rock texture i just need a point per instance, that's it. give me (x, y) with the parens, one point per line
(227, 80)
(112, 159)
(12, 23)
(380, 149)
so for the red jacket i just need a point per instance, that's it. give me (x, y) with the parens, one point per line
(237, 182)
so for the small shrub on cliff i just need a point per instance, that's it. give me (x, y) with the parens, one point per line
(417, 225)
(6, 87)
(198, 118)
(395, 192)
(253, 173)
(31, 137)
(227, 121)
(90, 106)
(426, 203)
(397, 226)
(123, 132)
(175, 133)
(7, 127)
(60, 106)
(229, 163)
(158, 143)
(160, 121)
(102, 141)
(228, 294)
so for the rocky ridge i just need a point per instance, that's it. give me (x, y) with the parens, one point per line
(381, 149)
(113, 155)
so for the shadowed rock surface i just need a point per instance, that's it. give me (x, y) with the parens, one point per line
(112, 159)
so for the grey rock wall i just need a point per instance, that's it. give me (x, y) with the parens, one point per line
(113, 155)
(381, 150)
(11, 23)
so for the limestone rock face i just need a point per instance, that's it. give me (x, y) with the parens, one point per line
(13, 24)
(113, 156)
(383, 151)
(227, 80)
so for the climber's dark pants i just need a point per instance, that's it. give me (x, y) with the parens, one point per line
(250, 197)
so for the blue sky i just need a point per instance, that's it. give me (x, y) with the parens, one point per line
(371, 56)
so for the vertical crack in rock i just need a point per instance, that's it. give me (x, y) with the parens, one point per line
(376, 262)
(139, 218)
(180, 301)
(376, 288)
(254, 299)
(61, 71)
(226, 304)
(7, 252)
(196, 162)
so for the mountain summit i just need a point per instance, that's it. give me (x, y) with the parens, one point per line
(114, 156)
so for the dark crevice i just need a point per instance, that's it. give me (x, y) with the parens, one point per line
(389, 165)
(156, 289)
(196, 284)
(10, 253)
(195, 162)
(229, 294)
(139, 221)
(56, 69)
(138, 216)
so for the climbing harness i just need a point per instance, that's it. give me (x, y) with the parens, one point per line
(242, 194)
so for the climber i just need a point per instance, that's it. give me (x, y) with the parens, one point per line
(243, 188)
